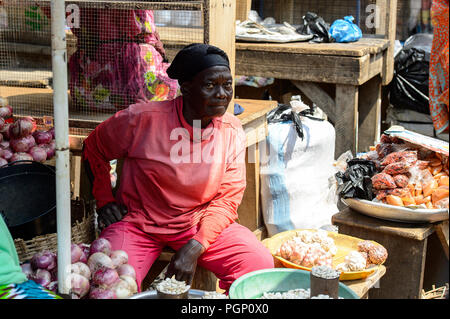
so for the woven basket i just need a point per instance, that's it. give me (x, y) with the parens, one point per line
(83, 231)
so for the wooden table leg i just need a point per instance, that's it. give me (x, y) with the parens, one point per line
(369, 117)
(346, 124)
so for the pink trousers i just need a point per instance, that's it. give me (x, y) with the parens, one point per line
(236, 251)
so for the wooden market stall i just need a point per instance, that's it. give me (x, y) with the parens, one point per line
(356, 70)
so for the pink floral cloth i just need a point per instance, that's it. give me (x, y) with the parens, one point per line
(119, 61)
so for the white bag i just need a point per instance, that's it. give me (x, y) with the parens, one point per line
(295, 173)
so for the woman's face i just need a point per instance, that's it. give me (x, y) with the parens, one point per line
(207, 95)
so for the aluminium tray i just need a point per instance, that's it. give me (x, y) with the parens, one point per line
(396, 213)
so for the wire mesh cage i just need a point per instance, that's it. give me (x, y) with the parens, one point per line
(117, 53)
(363, 11)
(412, 16)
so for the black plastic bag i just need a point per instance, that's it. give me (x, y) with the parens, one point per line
(315, 25)
(409, 86)
(284, 113)
(356, 181)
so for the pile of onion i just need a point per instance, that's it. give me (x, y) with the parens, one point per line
(20, 140)
(97, 272)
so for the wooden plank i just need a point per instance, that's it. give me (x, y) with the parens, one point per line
(180, 35)
(367, 45)
(249, 210)
(390, 34)
(304, 67)
(371, 65)
(369, 117)
(75, 170)
(411, 231)
(254, 109)
(362, 286)
(318, 96)
(442, 233)
(346, 124)
(242, 9)
(220, 28)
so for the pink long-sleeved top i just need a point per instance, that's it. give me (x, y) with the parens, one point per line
(174, 176)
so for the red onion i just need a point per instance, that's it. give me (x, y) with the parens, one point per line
(105, 277)
(52, 132)
(132, 285)
(5, 111)
(80, 285)
(43, 260)
(42, 277)
(21, 156)
(121, 289)
(119, 257)
(4, 144)
(100, 245)
(7, 154)
(22, 127)
(53, 286)
(49, 148)
(75, 252)
(126, 270)
(3, 161)
(23, 144)
(42, 137)
(39, 154)
(5, 130)
(100, 293)
(27, 270)
(85, 252)
(81, 269)
(99, 260)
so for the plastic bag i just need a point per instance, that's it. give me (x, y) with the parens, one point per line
(238, 109)
(356, 181)
(315, 25)
(285, 113)
(409, 86)
(344, 30)
(295, 172)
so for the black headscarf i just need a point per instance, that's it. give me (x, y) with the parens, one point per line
(195, 58)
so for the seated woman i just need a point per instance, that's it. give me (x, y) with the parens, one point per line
(120, 60)
(183, 176)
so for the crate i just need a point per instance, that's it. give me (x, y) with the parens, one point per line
(25, 47)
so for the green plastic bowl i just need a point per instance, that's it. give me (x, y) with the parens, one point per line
(254, 284)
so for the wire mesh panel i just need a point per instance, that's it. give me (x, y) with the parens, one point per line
(361, 10)
(118, 53)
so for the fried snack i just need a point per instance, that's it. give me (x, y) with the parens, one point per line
(377, 254)
(383, 181)
(401, 180)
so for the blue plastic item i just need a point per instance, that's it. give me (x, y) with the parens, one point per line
(345, 30)
(254, 284)
(238, 109)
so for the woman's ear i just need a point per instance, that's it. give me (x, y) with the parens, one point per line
(185, 88)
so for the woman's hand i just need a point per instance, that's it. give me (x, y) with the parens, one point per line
(184, 262)
(109, 214)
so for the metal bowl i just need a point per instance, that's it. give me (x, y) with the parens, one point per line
(153, 294)
(396, 213)
(163, 295)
